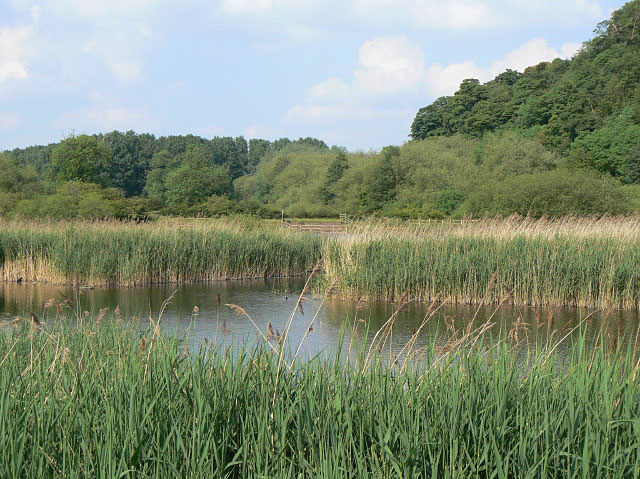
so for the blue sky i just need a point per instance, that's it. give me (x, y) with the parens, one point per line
(352, 72)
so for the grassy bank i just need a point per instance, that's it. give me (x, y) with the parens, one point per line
(99, 399)
(577, 262)
(126, 254)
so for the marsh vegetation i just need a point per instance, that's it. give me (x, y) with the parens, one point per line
(98, 396)
(570, 262)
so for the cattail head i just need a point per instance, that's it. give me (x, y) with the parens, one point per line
(237, 309)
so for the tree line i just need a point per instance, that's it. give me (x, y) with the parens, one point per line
(560, 138)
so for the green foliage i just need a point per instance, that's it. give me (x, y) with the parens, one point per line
(8, 202)
(336, 171)
(71, 200)
(141, 407)
(509, 154)
(410, 211)
(130, 160)
(88, 201)
(196, 179)
(162, 163)
(632, 173)
(610, 148)
(81, 158)
(290, 179)
(38, 157)
(581, 99)
(139, 164)
(554, 193)
(382, 189)
(17, 179)
(217, 206)
(450, 200)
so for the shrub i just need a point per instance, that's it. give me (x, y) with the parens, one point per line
(77, 200)
(553, 193)
(450, 200)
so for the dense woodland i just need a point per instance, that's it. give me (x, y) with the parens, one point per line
(560, 138)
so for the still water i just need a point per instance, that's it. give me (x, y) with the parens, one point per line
(196, 310)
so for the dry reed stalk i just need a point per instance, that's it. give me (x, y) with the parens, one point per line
(241, 312)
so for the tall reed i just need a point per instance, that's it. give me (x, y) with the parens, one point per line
(126, 254)
(592, 262)
(577, 262)
(80, 399)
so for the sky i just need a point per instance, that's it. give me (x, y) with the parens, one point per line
(351, 72)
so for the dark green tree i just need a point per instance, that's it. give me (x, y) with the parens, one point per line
(382, 188)
(632, 170)
(130, 161)
(336, 171)
(258, 149)
(196, 179)
(16, 179)
(81, 158)
(449, 200)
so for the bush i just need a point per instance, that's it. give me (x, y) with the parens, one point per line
(553, 193)
(216, 206)
(77, 200)
(8, 202)
(450, 200)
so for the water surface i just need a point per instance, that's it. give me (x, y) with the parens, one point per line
(201, 311)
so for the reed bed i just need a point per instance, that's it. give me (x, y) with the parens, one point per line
(568, 262)
(98, 397)
(127, 254)
(618, 227)
(585, 262)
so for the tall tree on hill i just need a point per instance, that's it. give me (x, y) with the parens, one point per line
(563, 99)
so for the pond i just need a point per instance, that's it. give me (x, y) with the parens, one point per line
(201, 311)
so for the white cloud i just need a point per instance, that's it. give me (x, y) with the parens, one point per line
(444, 80)
(264, 6)
(477, 14)
(9, 119)
(441, 14)
(567, 11)
(392, 71)
(127, 71)
(14, 51)
(456, 14)
(36, 13)
(387, 65)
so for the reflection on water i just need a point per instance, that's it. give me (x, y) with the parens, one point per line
(272, 301)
